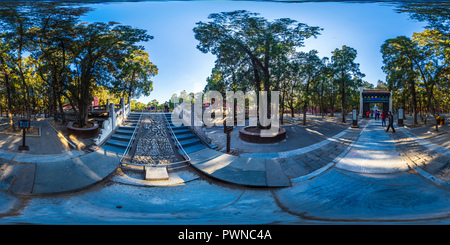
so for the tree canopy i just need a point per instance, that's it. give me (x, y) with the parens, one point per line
(48, 51)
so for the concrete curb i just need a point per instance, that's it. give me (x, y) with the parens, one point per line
(55, 177)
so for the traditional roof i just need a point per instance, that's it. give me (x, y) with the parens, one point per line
(376, 91)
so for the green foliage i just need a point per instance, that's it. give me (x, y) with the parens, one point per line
(70, 60)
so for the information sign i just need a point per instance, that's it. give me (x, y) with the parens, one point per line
(24, 123)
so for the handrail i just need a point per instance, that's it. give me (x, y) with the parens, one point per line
(188, 159)
(131, 140)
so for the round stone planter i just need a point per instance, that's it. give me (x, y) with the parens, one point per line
(255, 137)
(83, 133)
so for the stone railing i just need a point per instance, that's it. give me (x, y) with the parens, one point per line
(117, 115)
(191, 120)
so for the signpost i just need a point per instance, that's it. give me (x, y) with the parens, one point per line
(227, 130)
(400, 117)
(355, 119)
(24, 124)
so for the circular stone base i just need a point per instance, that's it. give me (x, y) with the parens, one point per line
(83, 133)
(247, 135)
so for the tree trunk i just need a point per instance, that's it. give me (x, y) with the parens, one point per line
(305, 103)
(343, 102)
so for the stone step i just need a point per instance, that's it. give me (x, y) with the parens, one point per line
(124, 132)
(185, 136)
(182, 131)
(175, 121)
(190, 142)
(129, 124)
(119, 137)
(156, 173)
(191, 149)
(117, 143)
(132, 120)
(177, 127)
(114, 149)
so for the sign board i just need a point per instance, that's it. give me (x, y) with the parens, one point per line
(400, 113)
(354, 114)
(24, 123)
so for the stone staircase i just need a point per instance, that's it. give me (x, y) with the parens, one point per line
(188, 140)
(119, 141)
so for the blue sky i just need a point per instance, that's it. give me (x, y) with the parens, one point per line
(363, 26)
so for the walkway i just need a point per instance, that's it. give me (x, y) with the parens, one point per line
(374, 152)
(367, 149)
(47, 143)
(36, 175)
(368, 176)
(275, 169)
(374, 181)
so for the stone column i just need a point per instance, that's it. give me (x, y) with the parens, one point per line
(107, 105)
(112, 115)
(360, 102)
(390, 102)
(122, 108)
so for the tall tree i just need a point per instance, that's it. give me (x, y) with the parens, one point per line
(97, 47)
(399, 57)
(345, 69)
(5, 72)
(134, 73)
(15, 24)
(243, 34)
(311, 67)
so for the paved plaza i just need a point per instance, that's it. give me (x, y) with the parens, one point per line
(351, 175)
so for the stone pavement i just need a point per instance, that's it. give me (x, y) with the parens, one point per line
(374, 152)
(275, 169)
(317, 130)
(47, 143)
(37, 176)
(366, 149)
(384, 177)
(429, 160)
(239, 170)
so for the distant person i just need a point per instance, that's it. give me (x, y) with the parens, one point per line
(166, 107)
(376, 115)
(383, 119)
(391, 122)
(368, 113)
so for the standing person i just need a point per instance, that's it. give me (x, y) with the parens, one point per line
(391, 122)
(376, 115)
(383, 119)
(166, 107)
(368, 112)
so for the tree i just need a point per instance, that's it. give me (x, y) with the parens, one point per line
(344, 69)
(433, 44)
(311, 67)
(134, 73)
(15, 25)
(72, 59)
(399, 57)
(5, 72)
(381, 85)
(243, 36)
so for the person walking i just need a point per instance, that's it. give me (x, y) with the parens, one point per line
(391, 122)
(376, 115)
(368, 112)
(383, 119)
